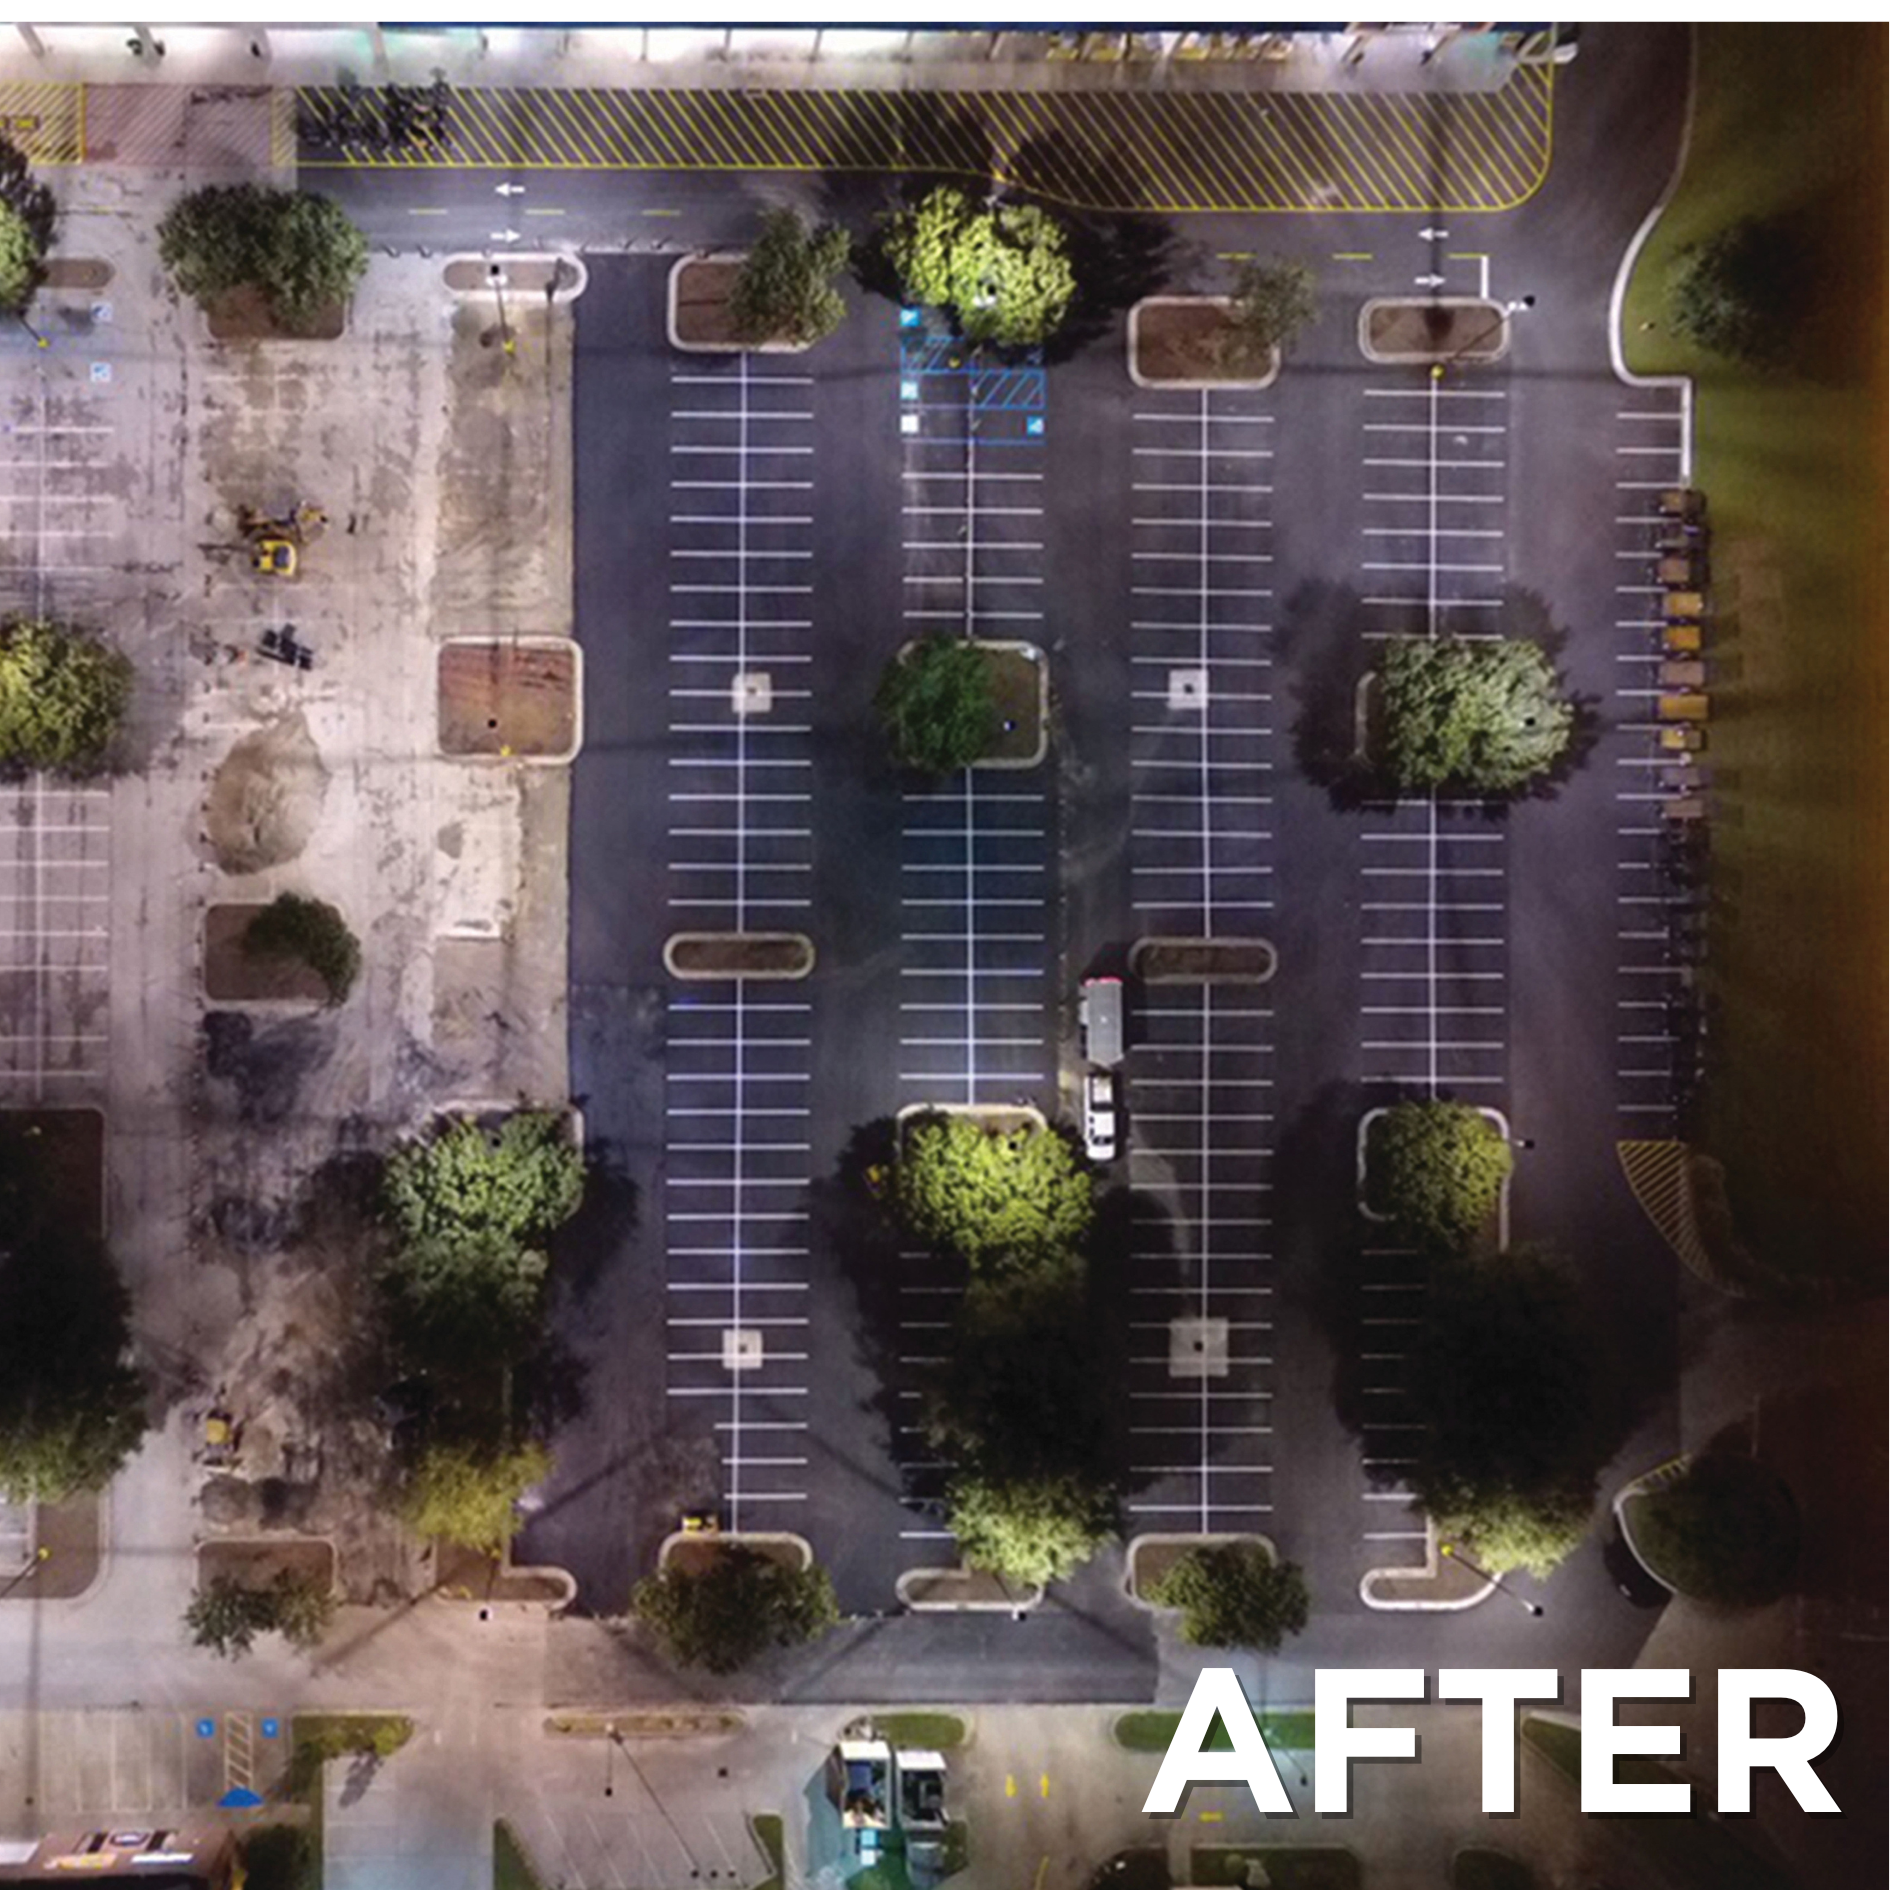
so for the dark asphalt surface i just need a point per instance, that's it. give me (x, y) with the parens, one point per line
(635, 1458)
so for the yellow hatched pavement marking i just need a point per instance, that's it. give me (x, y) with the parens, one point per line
(45, 120)
(1659, 1173)
(1178, 151)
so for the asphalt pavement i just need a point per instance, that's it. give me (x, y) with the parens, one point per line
(1264, 539)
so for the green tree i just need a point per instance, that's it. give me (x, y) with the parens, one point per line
(937, 705)
(309, 932)
(468, 1495)
(1003, 270)
(735, 1608)
(785, 290)
(1739, 292)
(301, 1608)
(519, 1182)
(1503, 1379)
(226, 1616)
(1726, 1531)
(1273, 300)
(1485, 714)
(63, 695)
(71, 1405)
(1437, 1169)
(27, 217)
(465, 1302)
(1235, 1595)
(1005, 1199)
(298, 249)
(1029, 1528)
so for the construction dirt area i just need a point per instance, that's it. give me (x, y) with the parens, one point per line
(423, 479)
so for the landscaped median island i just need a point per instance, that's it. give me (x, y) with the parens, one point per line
(948, 703)
(258, 1585)
(1230, 1591)
(720, 1602)
(1230, 341)
(776, 297)
(293, 949)
(757, 955)
(511, 698)
(1203, 960)
(1433, 330)
(1722, 1529)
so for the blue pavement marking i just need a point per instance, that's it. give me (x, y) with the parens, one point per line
(206, 1729)
(271, 1728)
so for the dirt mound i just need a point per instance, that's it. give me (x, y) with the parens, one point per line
(266, 797)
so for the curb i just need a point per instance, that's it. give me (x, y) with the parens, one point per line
(1425, 357)
(749, 977)
(1251, 386)
(1196, 1541)
(562, 758)
(559, 262)
(1427, 1570)
(1029, 1598)
(673, 297)
(1495, 1116)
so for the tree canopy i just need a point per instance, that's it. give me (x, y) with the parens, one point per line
(938, 706)
(1003, 270)
(1503, 1377)
(27, 216)
(467, 1494)
(1234, 1594)
(71, 1404)
(299, 249)
(519, 1182)
(735, 1608)
(1740, 292)
(313, 933)
(1273, 300)
(462, 1302)
(63, 695)
(1004, 1199)
(1485, 714)
(1034, 1528)
(785, 290)
(1726, 1531)
(1437, 1169)
(227, 1615)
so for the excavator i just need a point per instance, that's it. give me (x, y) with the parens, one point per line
(275, 540)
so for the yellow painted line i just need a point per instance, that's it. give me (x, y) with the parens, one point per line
(662, 213)
(1351, 255)
(1212, 1817)
(1010, 1785)
(412, 212)
(1043, 1865)
(1043, 1784)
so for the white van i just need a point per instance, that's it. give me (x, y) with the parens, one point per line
(1099, 1013)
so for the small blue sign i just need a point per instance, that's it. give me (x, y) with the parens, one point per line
(271, 1728)
(1034, 424)
(911, 317)
(206, 1729)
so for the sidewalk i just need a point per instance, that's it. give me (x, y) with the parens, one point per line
(634, 58)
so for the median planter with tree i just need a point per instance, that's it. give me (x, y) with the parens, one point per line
(280, 1586)
(1515, 1425)
(63, 695)
(27, 217)
(1433, 330)
(1486, 716)
(1223, 340)
(1725, 1531)
(1434, 1170)
(264, 264)
(1001, 270)
(292, 947)
(778, 296)
(467, 1494)
(736, 1604)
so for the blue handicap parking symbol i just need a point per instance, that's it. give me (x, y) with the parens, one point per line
(271, 1728)
(1034, 424)
(908, 390)
(206, 1729)
(910, 317)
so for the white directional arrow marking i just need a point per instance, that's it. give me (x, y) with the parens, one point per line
(513, 236)
(1433, 236)
(508, 190)
(1429, 282)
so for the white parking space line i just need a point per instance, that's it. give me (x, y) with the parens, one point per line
(740, 857)
(1198, 1076)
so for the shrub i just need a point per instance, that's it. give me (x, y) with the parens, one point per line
(227, 1615)
(1725, 1532)
(1437, 1169)
(63, 694)
(938, 706)
(1006, 1200)
(27, 216)
(1234, 1595)
(465, 1302)
(734, 1609)
(467, 1495)
(785, 289)
(1003, 270)
(310, 932)
(298, 249)
(1486, 715)
(1739, 293)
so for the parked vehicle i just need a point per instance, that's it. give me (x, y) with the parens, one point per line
(922, 1814)
(859, 1782)
(1099, 1013)
(1100, 1129)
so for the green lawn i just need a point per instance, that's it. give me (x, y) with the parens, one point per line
(511, 1868)
(1312, 1867)
(1698, 1852)
(1151, 1732)
(770, 1835)
(938, 1732)
(1790, 126)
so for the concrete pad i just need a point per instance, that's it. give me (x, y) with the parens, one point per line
(752, 692)
(742, 1350)
(1188, 689)
(1197, 1348)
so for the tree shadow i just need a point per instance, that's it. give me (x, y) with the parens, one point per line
(605, 1223)
(1319, 644)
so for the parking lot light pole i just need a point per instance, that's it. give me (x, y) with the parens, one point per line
(1495, 1581)
(39, 340)
(41, 1556)
(1519, 305)
(495, 274)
